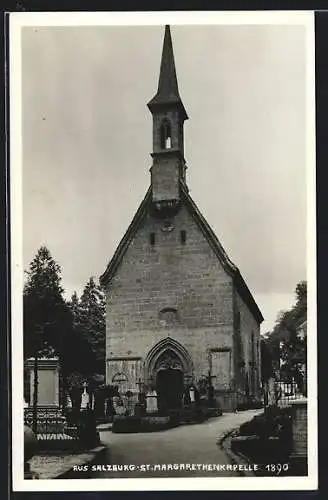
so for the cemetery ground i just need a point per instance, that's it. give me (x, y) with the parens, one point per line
(271, 441)
(186, 444)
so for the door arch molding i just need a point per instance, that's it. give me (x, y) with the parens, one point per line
(167, 345)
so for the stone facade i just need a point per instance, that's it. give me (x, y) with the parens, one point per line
(250, 339)
(174, 290)
(169, 289)
(174, 299)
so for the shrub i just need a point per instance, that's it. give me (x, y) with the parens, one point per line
(258, 426)
(149, 425)
(251, 404)
(87, 429)
(274, 422)
(200, 415)
(126, 424)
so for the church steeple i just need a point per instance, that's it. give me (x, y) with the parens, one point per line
(168, 91)
(169, 114)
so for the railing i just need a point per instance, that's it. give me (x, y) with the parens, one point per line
(50, 423)
(287, 392)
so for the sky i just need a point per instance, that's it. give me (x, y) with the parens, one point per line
(87, 138)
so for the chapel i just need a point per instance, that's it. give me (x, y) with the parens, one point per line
(179, 312)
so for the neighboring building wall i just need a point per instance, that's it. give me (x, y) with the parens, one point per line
(170, 274)
(251, 352)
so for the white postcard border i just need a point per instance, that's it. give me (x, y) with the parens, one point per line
(17, 21)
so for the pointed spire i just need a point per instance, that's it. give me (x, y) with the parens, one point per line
(168, 83)
(167, 92)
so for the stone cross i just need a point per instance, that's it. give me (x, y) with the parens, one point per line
(210, 387)
(139, 384)
(209, 378)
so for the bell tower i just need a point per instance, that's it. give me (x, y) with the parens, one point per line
(169, 167)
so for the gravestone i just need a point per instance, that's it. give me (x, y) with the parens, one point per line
(272, 392)
(118, 406)
(85, 398)
(151, 402)
(69, 404)
(48, 381)
(50, 419)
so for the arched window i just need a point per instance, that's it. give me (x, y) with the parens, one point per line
(166, 137)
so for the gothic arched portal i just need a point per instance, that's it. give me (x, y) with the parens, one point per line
(168, 368)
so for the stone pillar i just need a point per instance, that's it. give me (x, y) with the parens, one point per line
(48, 381)
(299, 452)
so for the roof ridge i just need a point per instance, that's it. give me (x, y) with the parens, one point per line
(230, 267)
(123, 244)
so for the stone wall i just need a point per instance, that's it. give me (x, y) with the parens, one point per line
(249, 327)
(299, 429)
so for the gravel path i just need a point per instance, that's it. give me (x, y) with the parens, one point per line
(188, 444)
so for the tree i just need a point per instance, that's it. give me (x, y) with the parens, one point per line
(74, 305)
(88, 313)
(301, 296)
(81, 354)
(292, 348)
(91, 322)
(88, 347)
(268, 364)
(267, 359)
(46, 317)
